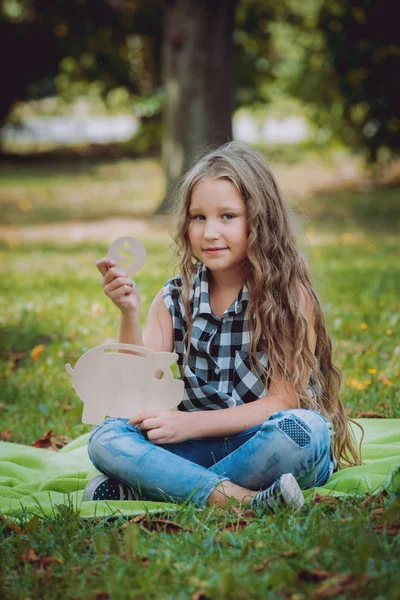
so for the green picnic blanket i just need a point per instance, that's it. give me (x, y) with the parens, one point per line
(36, 481)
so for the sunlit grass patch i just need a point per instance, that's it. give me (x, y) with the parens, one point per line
(90, 191)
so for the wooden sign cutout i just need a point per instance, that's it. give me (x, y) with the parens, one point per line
(116, 384)
(128, 253)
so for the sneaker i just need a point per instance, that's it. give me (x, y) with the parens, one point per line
(103, 487)
(284, 492)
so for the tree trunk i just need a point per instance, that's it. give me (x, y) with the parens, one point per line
(197, 57)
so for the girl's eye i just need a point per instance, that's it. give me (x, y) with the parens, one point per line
(228, 217)
(198, 217)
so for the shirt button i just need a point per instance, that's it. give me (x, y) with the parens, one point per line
(217, 371)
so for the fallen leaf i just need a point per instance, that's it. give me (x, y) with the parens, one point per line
(49, 441)
(322, 499)
(283, 554)
(47, 561)
(376, 513)
(369, 414)
(29, 556)
(159, 524)
(240, 524)
(5, 435)
(371, 499)
(41, 563)
(13, 526)
(388, 528)
(37, 352)
(242, 514)
(15, 359)
(340, 583)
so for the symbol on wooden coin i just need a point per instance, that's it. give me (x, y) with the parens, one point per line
(128, 254)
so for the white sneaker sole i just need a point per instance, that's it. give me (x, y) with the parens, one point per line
(94, 484)
(291, 491)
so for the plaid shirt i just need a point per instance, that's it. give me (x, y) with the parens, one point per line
(218, 373)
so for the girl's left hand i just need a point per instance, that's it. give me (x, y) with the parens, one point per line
(165, 426)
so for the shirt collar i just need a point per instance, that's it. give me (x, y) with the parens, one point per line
(200, 295)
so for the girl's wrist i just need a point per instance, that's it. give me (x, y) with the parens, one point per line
(198, 425)
(130, 317)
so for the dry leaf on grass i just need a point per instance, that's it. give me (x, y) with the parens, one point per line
(5, 435)
(388, 528)
(242, 514)
(49, 441)
(29, 556)
(371, 499)
(240, 524)
(369, 414)
(41, 563)
(15, 359)
(159, 524)
(12, 526)
(333, 584)
(283, 554)
(322, 499)
(340, 583)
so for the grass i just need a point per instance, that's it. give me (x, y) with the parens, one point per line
(88, 190)
(52, 304)
(209, 554)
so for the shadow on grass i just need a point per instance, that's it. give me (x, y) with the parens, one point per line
(21, 338)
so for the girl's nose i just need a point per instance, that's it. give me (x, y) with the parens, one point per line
(211, 231)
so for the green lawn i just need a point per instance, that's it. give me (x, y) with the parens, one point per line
(52, 310)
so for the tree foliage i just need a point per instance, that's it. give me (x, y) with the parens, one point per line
(340, 57)
(349, 55)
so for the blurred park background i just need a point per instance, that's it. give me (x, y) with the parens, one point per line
(105, 103)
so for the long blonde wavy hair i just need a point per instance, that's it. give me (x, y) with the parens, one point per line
(276, 275)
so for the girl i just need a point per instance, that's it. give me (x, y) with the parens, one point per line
(261, 401)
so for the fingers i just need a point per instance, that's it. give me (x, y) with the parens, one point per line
(157, 436)
(104, 264)
(117, 283)
(112, 273)
(149, 424)
(145, 414)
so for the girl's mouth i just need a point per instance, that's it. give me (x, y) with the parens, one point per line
(213, 251)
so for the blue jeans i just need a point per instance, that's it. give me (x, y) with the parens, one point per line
(294, 441)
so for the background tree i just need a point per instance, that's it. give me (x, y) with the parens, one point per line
(346, 65)
(338, 56)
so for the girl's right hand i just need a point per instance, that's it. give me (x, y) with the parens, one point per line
(119, 287)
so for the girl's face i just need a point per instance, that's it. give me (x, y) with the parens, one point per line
(217, 225)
